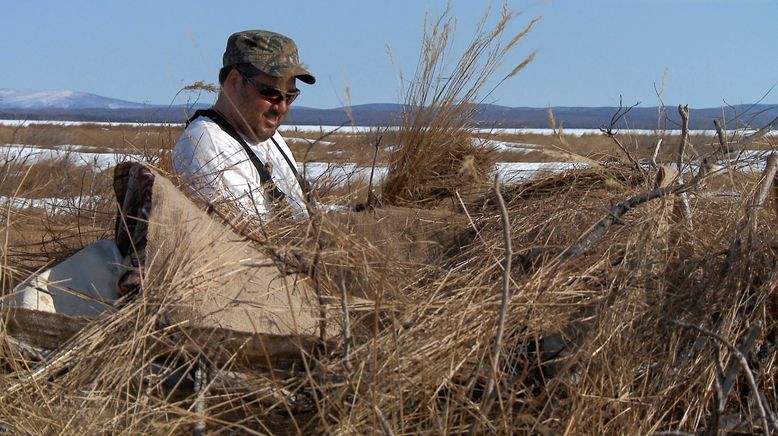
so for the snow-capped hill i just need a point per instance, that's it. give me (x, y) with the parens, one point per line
(12, 99)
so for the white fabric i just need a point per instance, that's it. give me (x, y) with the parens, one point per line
(215, 166)
(83, 285)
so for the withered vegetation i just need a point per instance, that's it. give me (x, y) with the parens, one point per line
(623, 313)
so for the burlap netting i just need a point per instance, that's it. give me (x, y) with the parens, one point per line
(212, 277)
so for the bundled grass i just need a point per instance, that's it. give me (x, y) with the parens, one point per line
(592, 342)
(435, 145)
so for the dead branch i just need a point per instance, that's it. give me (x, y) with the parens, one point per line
(621, 208)
(768, 176)
(615, 214)
(683, 210)
(741, 359)
(506, 281)
(382, 420)
(775, 197)
(611, 131)
(721, 134)
(626, 152)
(529, 257)
(371, 198)
(347, 362)
(683, 111)
(748, 140)
(749, 225)
(725, 151)
(655, 153)
(346, 325)
(727, 381)
(314, 273)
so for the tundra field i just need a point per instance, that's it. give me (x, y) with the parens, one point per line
(628, 309)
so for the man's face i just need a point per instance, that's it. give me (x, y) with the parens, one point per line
(260, 107)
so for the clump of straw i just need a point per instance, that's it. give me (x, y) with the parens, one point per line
(435, 152)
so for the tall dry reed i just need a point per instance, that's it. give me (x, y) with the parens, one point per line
(435, 144)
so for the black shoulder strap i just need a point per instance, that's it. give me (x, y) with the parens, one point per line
(303, 183)
(264, 175)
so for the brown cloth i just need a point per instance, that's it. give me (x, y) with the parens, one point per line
(204, 274)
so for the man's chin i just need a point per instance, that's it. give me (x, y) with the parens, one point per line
(264, 132)
(270, 125)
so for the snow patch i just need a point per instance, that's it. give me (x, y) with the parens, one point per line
(308, 142)
(50, 204)
(28, 155)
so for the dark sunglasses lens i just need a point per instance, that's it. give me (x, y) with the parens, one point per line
(291, 96)
(271, 94)
(275, 95)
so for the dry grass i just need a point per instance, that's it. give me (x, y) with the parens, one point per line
(422, 358)
(117, 138)
(434, 144)
(592, 341)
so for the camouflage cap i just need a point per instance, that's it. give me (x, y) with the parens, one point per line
(272, 53)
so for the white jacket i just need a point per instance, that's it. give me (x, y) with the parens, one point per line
(216, 167)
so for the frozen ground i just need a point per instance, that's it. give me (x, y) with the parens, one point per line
(512, 131)
(76, 154)
(51, 204)
(103, 158)
(74, 123)
(322, 173)
(364, 129)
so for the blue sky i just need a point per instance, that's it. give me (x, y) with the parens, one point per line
(708, 53)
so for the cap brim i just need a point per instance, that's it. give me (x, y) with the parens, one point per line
(295, 71)
(307, 78)
(303, 74)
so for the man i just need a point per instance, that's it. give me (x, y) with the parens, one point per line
(233, 151)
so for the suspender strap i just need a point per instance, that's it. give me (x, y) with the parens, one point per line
(303, 183)
(286, 158)
(264, 175)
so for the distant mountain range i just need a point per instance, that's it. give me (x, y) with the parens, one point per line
(71, 100)
(82, 106)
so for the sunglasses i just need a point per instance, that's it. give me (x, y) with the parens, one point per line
(273, 94)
